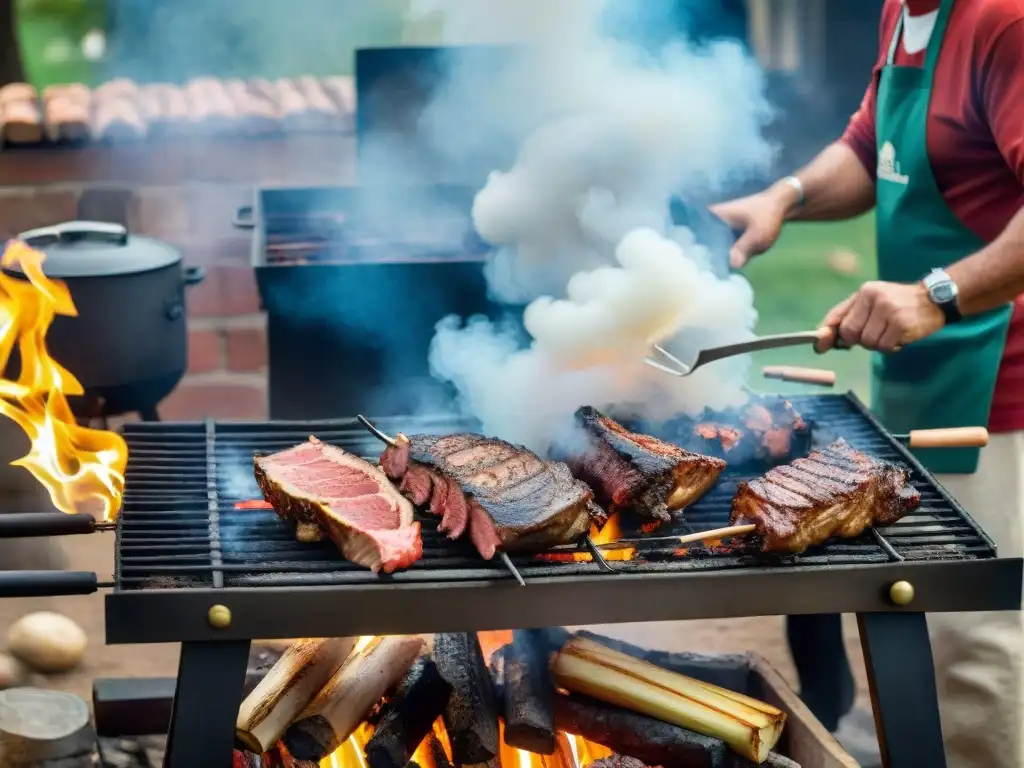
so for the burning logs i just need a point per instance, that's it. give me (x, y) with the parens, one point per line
(750, 727)
(471, 717)
(290, 685)
(528, 693)
(650, 741)
(408, 716)
(333, 715)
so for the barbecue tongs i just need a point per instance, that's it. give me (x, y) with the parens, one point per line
(676, 367)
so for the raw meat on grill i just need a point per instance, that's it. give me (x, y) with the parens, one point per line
(765, 430)
(504, 495)
(328, 491)
(638, 472)
(837, 491)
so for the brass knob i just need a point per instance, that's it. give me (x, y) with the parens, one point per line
(219, 617)
(902, 593)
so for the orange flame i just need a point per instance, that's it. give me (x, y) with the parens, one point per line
(81, 468)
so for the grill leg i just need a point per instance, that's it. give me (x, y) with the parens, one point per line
(901, 674)
(209, 692)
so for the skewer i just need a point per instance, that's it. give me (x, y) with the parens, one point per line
(505, 559)
(689, 538)
(595, 553)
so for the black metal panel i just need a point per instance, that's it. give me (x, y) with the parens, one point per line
(901, 675)
(206, 702)
(486, 602)
(184, 544)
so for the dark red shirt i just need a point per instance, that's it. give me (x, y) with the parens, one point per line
(975, 140)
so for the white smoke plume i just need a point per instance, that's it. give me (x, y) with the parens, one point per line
(581, 223)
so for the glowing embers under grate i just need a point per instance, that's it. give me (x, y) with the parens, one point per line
(185, 521)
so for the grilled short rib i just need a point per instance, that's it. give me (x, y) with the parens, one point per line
(767, 430)
(506, 496)
(837, 491)
(328, 491)
(638, 472)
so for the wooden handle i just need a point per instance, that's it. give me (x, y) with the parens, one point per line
(718, 533)
(954, 437)
(805, 375)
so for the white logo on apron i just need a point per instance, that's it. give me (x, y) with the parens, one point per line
(889, 166)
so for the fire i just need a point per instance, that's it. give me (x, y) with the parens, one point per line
(611, 532)
(571, 751)
(81, 468)
(253, 504)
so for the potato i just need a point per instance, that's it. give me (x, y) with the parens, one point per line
(47, 642)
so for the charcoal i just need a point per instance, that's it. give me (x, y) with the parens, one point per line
(471, 717)
(528, 694)
(408, 716)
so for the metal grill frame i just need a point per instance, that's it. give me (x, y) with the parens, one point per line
(382, 607)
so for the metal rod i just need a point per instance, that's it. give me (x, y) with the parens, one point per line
(512, 568)
(596, 554)
(374, 431)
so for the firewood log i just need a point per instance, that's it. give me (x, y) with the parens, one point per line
(528, 694)
(21, 120)
(342, 91)
(297, 114)
(290, 685)
(748, 726)
(471, 717)
(258, 115)
(323, 111)
(117, 118)
(342, 704)
(649, 740)
(66, 111)
(408, 716)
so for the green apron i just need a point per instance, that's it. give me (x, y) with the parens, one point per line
(947, 379)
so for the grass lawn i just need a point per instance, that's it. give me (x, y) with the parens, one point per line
(794, 287)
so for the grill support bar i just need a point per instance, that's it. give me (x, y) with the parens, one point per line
(211, 677)
(901, 676)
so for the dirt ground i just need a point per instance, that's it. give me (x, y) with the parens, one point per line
(95, 553)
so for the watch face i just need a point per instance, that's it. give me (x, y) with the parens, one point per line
(943, 292)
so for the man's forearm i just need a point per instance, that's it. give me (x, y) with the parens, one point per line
(835, 185)
(994, 275)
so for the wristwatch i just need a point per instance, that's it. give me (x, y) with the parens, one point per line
(944, 294)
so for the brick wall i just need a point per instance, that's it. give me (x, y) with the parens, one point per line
(190, 208)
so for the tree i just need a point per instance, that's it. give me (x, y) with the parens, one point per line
(11, 70)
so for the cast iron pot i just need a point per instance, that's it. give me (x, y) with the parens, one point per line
(129, 344)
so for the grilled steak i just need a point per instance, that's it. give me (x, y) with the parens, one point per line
(765, 430)
(639, 472)
(507, 497)
(837, 491)
(329, 492)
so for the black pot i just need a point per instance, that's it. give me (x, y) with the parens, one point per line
(128, 346)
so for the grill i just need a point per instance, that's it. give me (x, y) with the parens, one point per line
(193, 568)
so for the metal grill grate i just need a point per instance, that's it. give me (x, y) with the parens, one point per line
(179, 526)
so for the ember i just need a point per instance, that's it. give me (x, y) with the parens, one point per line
(81, 468)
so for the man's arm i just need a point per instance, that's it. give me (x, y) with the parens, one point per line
(836, 186)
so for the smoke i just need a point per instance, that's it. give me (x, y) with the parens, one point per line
(581, 226)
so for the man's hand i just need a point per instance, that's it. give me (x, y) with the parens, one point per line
(759, 218)
(883, 317)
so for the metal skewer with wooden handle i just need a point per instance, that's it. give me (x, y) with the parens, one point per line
(951, 437)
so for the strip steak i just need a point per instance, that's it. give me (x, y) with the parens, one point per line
(507, 497)
(837, 491)
(628, 470)
(329, 492)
